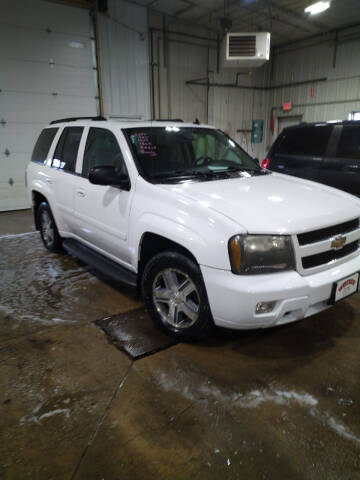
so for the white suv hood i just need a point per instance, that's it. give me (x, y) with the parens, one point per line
(273, 203)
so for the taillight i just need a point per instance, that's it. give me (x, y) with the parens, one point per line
(265, 163)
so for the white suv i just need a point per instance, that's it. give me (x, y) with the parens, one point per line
(181, 212)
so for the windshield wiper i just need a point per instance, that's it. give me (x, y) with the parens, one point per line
(258, 170)
(180, 174)
(241, 169)
(209, 174)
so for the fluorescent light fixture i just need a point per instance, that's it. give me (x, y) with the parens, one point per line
(317, 7)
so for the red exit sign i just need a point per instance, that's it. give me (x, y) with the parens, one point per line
(287, 106)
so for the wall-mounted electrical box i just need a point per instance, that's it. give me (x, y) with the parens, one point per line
(257, 131)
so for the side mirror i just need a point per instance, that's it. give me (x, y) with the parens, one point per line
(110, 176)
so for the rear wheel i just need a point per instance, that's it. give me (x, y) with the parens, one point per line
(175, 295)
(48, 230)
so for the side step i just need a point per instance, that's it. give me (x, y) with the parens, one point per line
(99, 262)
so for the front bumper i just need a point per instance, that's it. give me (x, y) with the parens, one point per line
(233, 298)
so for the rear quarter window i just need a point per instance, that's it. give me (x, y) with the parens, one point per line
(307, 141)
(349, 145)
(66, 151)
(43, 145)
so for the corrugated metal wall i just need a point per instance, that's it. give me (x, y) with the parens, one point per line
(124, 60)
(188, 58)
(175, 61)
(234, 109)
(332, 99)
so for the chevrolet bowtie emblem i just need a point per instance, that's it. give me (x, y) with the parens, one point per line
(338, 242)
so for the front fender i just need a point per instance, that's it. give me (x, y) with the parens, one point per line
(204, 233)
(170, 229)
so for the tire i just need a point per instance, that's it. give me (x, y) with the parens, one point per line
(175, 296)
(48, 230)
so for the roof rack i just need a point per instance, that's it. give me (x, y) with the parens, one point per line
(73, 119)
(169, 120)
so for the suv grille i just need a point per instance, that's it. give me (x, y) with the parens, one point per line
(242, 45)
(324, 233)
(326, 257)
(316, 249)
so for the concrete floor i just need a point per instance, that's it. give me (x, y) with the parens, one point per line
(281, 403)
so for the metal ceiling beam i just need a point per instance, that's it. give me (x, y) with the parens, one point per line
(264, 16)
(184, 10)
(217, 10)
(88, 4)
(276, 18)
(291, 13)
(264, 28)
(270, 4)
(318, 35)
(240, 20)
(174, 17)
(190, 5)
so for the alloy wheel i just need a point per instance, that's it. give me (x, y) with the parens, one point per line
(176, 298)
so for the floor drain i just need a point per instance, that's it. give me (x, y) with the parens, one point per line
(134, 333)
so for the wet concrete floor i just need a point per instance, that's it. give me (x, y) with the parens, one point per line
(280, 403)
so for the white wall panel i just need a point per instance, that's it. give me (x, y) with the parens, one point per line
(234, 109)
(187, 62)
(124, 61)
(46, 72)
(332, 99)
(227, 108)
(186, 59)
(184, 62)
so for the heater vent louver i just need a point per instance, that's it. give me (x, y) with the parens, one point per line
(244, 46)
(251, 49)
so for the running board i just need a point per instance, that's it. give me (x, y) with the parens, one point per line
(99, 262)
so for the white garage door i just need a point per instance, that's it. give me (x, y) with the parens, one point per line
(46, 72)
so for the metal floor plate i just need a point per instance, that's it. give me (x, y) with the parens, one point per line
(135, 333)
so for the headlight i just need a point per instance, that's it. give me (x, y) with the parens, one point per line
(255, 254)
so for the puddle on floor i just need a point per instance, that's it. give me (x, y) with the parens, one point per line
(134, 333)
(38, 288)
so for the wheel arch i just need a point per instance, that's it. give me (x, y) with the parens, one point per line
(37, 199)
(152, 243)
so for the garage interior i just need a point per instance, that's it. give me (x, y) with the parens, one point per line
(80, 402)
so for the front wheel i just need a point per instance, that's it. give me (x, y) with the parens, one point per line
(174, 293)
(48, 230)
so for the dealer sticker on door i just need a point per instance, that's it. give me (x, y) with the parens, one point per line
(345, 287)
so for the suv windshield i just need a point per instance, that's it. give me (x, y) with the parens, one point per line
(173, 152)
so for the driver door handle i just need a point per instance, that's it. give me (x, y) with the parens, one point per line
(80, 193)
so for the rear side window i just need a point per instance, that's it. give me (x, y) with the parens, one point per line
(43, 145)
(307, 141)
(349, 145)
(67, 149)
(102, 149)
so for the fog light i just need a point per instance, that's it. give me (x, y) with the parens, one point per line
(265, 307)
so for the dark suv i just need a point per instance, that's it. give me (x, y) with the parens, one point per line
(324, 152)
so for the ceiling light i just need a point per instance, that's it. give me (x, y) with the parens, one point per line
(317, 7)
